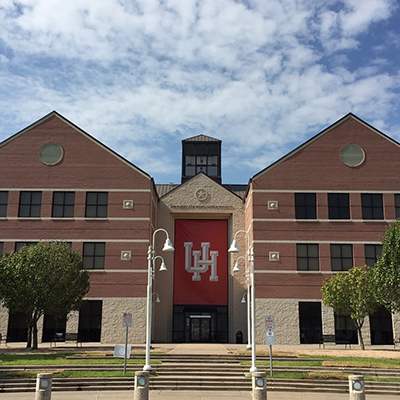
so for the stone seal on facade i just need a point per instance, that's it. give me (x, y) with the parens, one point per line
(201, 194)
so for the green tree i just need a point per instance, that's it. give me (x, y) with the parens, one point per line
(43, 279)
(352, 294)
(388, 269)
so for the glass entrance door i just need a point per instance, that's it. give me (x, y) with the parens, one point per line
(200, 328)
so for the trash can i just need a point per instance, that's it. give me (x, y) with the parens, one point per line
(239, 337)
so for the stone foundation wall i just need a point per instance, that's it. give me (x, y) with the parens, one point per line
(112, 329)
(286, 317)
(3, 321)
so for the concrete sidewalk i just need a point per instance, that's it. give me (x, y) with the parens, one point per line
(187, 395)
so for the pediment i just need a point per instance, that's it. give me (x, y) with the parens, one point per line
(201, 192)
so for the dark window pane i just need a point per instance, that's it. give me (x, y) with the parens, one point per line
(190, 171)
(335, 250)
(102, 211)
(302, 264)
(313, 264)
(3, 204)
(305, 204)
(347, 264)
(96, 204)
(57, 211)
(307, 257)
(102, 198)
(69, 211)
(313, 250)
(347, 251)
(372, 206)
(301, 250)
(336, 264)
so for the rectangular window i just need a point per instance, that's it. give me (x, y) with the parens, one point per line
(93, 255)
(3, 204)
(372, 252)
(338, 204)
(1, 248)
(306, 205)
(89, 325)
(96, 204)
(18, 245)
(307, 257)
(397, 204)
(30, 204)
(372, 206)
(63, 204)
(341, 257)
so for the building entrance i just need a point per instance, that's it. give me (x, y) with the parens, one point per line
(200, 324)
(200, 328)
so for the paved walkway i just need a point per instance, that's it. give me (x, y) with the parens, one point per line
(187, 395)
(199, 348)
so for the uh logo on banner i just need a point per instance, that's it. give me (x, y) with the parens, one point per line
(201, 262)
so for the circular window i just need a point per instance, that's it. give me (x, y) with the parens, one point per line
(51, 153)
(352, 155)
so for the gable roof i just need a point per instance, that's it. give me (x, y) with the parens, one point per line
(317, 136)
(201, 138)
(82, 132)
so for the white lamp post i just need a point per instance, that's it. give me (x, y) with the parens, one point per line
(151, 257)
(246, 296)
(250, 256)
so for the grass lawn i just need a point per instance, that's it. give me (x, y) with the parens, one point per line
(64, 359)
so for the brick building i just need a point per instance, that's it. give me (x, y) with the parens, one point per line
(320, 209)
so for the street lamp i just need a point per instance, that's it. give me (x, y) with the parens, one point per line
(151, 258)
(250, 257)
(246, 296)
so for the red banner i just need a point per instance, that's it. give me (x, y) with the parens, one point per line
(201, 262)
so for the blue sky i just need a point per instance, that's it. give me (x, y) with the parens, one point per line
(261, 75)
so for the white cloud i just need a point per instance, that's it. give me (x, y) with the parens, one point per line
(260, 75)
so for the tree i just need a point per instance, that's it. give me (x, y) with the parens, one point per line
(388, 269)
(43, 279)
(352, 294)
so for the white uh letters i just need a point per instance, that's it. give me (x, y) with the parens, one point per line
(209, 258)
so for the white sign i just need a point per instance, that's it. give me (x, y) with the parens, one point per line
(269, 323)
(119, 351)
(127, 319)
(270, 338)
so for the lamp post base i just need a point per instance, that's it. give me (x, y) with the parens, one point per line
(147, 367)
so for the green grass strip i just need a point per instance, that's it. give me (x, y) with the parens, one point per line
(62, 359)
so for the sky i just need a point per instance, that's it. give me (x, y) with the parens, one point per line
(263, 76)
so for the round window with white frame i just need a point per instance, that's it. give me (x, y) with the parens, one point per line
(51, 153)
(352, 155)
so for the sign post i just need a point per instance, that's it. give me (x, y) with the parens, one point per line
(127, 322)
(270, 338)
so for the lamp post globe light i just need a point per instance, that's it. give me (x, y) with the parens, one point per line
(250, 257)
(246, 296)
(151, 258)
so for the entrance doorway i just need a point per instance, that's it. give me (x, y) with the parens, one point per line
(310, 322)
(200, 328)
(200, 324)
(381, 327)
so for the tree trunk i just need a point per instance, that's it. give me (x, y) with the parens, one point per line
(29, 332)
(35, 335)
(359, 324)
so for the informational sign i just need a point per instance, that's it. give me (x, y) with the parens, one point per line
(127, 319)
(269, 323)
(270, 338)
(119, 351)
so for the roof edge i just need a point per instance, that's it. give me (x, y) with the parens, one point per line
(81, 131)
